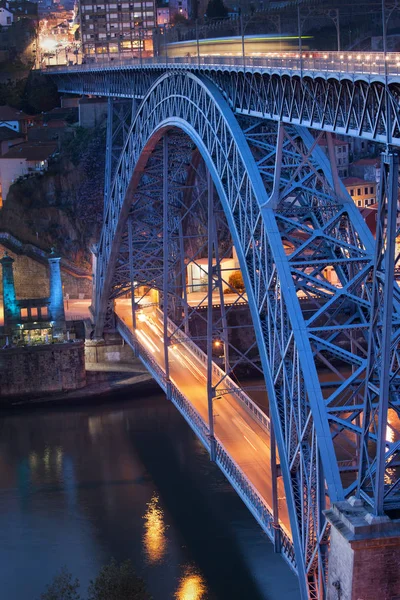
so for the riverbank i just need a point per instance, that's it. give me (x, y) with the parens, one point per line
(120, 380)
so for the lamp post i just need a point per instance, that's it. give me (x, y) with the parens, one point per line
(332, 14)
(140, 45)
(165, 43)
(242, 36)
(197, 42)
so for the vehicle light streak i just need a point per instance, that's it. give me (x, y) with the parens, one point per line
(147, 341)
(249, 442)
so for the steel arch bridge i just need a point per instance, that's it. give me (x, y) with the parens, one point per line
(315, 287)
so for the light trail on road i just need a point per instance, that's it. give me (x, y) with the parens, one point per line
(250, 450)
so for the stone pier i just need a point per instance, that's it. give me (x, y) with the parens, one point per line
(364, 557)
(11, 306)
(56, 295)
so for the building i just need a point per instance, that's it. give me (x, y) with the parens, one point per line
(341, 154)
(9, 138)
(362, 192)
(14, 119)
(109, 27)
(178, 7)
(92, 111)
(168, 11)
(23, 160)
(163, 15)
(6, 17)
(366, 168)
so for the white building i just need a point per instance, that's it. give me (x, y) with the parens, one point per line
(23, 160)
(14, 119)
(6, 17)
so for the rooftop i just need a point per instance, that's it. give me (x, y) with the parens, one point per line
(367, 161)
(7, 113)
(31, 151)
(336, 142)
(357, 181)
(8, 134)
(92, 100)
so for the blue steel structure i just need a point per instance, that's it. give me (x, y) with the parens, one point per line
(319, 287)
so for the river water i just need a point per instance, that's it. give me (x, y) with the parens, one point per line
(127, 479)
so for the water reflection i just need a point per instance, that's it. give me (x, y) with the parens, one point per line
(33, 460)
(154, 539)
(59, 457)
(76, 495)
(191, 586)
(46, 458)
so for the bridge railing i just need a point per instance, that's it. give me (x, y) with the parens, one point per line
(324, 63)
(243, 486)
(155, 370)
(218, 373)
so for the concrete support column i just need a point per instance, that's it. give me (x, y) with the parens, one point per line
(11, 306)
(165, 298)
(94, 252)
(210, 288)
(56, 307)
(364, 554)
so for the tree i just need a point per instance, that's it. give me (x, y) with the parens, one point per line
(40, 94)
(62, 587)
(236, 281)
(179, 19)
(117, 582)
(216, 9)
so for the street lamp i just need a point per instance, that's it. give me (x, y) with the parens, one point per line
(140, 46)
(165, 42)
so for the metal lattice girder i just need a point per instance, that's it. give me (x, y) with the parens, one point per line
(379, 476)
(344, 103)
(307, 260)
(188, 234)
(120, 114)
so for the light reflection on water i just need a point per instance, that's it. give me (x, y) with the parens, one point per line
(154, 538)
(129, 480)
(191, 587)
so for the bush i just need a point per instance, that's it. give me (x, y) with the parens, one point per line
(236, 281)
(62, 587)
(118, 582)
(114, 582)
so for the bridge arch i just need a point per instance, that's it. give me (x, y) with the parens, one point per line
(194, 105)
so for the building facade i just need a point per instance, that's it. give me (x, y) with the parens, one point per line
(341, 150)
(113, 27)
(6, 17)
(362, 192)
(23, 160)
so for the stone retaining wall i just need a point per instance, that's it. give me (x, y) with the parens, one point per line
(34, 370)
(32, 278)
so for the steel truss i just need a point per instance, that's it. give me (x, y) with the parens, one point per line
(335, 102)
(307, 260)
(140, 262)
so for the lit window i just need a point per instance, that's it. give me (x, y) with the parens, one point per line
(24, 313)
(44, 311)
(34, 312)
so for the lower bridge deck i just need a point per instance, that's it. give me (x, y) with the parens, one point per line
(241, 428)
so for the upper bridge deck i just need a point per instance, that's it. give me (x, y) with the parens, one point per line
(338, 92)
(366, 66)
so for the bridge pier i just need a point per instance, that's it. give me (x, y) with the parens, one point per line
(364, 555)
